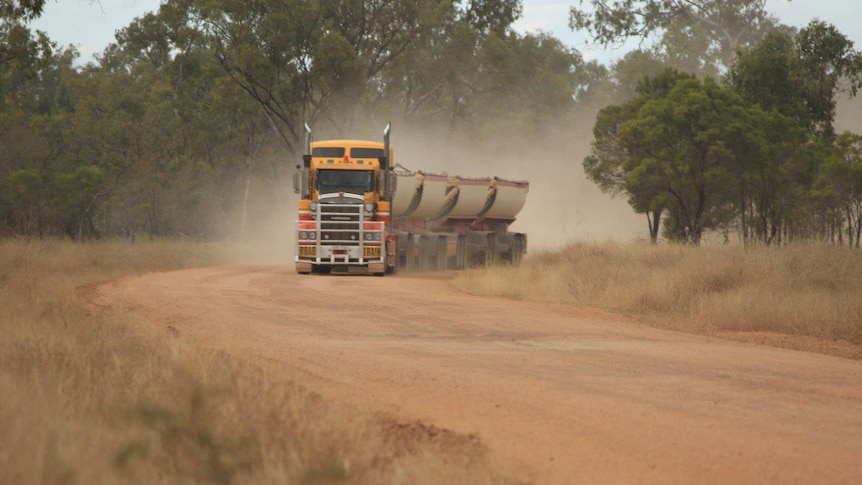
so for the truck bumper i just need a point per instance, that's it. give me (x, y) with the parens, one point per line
(303, 268)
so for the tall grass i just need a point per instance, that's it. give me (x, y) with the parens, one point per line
(804, 289)
(93, 398)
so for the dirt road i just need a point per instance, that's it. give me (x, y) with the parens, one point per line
(558, 394)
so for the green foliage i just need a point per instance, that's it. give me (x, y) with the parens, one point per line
(826, 58)
(187, 124)
(838, 188)
(766, 75)
(184, 126)
(493, 15)
(800, 76)
(699, 36)
(618, 166)
(686, 141)
(686, 148)
(524, 82)
(21, 9)
(759, 158)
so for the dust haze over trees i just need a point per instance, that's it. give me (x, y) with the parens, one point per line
(190, 123)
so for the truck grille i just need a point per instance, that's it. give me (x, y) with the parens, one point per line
(340, 224)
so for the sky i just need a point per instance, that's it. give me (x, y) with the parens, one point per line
(89, 25)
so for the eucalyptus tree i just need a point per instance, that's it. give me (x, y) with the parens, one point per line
(615, 165)
(690, 139)
(678, 151)
(170, 127)
(21, 9)
(800, 76)
(627, 73)
(309, 60)
(525, 82)
(829, 65)
(493, 16)
(838, 188)
(696, 35)
(35, 115)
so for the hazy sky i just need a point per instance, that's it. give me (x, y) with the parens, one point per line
(90, 24)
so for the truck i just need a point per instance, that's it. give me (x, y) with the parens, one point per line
(361, 213)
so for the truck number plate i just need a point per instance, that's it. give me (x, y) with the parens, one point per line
(371, 253)
(307, 251)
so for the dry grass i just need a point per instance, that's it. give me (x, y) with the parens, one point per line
(91, 398)
(806, 289)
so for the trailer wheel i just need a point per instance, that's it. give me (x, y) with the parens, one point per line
(424, 252)
(406, 255)
(518, 249)
(491, 249)
(442, 252)
(461, 252)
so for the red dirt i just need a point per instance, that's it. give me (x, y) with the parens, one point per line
(556, 393)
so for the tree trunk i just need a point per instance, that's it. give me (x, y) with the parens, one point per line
(654, 223)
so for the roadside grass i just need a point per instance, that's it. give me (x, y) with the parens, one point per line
(812, 290)
(96, 397)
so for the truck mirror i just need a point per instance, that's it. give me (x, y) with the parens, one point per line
(306, 161)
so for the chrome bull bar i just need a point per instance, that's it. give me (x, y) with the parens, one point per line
(340, 234)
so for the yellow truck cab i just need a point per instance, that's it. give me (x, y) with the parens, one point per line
(343, 212)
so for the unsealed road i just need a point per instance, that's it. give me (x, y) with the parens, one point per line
(558, 394)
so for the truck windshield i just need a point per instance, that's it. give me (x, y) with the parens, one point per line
(350, 181)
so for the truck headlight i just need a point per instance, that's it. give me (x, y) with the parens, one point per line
(312, 207)
(370, 206)
(303, 235)
(369, 236)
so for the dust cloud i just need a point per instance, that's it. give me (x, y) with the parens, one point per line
(848, 114)
(270, 234)
(562, 206)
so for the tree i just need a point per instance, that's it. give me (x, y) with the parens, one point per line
(16, 39)
(307, 60)
(673, 150)
(827, 59)
(493, 16)
(838, 187)
(800, 76)
(615, 165)
(797, 76)
(21, 9)
(768, 75)
(697, 35)
(633, 68)
(689, 139)
(25, 195)
(524, 82)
